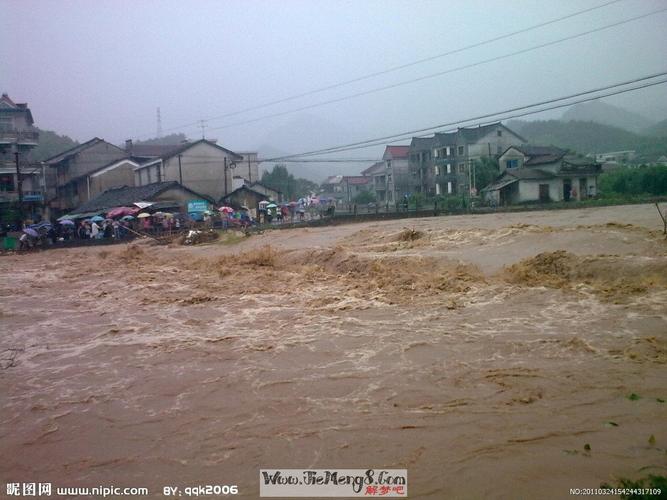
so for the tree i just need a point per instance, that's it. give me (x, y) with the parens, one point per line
(364, 197)
(292, 188)
(486, 170)
(166, 140)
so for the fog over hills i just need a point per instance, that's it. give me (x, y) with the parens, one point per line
(305, 132)
(607, 114)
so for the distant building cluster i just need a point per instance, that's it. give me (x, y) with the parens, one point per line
(441, 165)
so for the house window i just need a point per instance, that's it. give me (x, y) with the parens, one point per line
(449, 187)
(461, 150)
(388, 163)
(436, 170)
(7, 183)
(436, 153)
(449, 168)
(500, 133)
(437, 189)
(511, 163)
(462, 168)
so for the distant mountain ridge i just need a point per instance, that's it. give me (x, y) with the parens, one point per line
(587, 137)
(607, 114)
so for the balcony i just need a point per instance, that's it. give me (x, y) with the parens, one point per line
(21, 137)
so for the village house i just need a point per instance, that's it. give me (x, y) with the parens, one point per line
(391, 176)
(73, 169)
(245, 196)
(542, 174)
(202, 166)
(169, 196)
(343, 189)
(18, 135)
(443, 164)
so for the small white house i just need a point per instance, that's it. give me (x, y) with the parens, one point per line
(542, 174)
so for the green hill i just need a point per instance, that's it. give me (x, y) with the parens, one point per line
(607, 114)
(582, 137)
(50, 144)
(590, 137)
(657, 130)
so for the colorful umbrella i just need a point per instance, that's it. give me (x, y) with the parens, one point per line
(272, 205)
(127, 217)
(120, 211)
(31, 232)
(143, 215)
(227, 210)
(67, 222)
(97, 218)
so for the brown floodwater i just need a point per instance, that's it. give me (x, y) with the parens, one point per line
(481, 353)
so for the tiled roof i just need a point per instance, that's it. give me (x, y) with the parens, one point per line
(152, 150)
(125, 196)
(419, 143)
(397, 151)
(530, 173)
(73, 151)
(374, 168)
(357, 179)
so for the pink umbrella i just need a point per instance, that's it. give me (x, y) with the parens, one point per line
(121, 211)
(227, 210)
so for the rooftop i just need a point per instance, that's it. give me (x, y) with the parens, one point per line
(126, 195)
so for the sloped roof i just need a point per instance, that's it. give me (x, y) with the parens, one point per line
(152, 150)
(257, 183)
(186, 146)
(397, 151)
(333, 179)
(357, 179)
(374, 168)
(538, 155)
(75, 151)
(126, 195)
(531, 173)
(421, 143)
(246, 188)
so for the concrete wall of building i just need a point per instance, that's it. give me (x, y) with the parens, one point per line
(122, 175)
(529, 190)
(91, 159)
(492, 144)
(248, 168)
(203, 170)
(509, 155)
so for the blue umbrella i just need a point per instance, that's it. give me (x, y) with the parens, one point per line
(127, 217)
(31, 232)
(97, 218)
(67, 222)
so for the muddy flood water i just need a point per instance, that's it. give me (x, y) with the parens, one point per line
(481, 353)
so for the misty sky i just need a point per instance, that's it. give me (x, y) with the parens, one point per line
(102, 68)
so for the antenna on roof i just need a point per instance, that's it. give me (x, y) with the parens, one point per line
(159, 123)
(202, 126)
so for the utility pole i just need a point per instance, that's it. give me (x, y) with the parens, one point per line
(19, 185)
(159, 123)
(225, 174)
(180, 172)
(249, 170)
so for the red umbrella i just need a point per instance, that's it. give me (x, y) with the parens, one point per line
(227, 210)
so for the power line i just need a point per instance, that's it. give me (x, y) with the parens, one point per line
(440, 73)
(408, 134)
(395, 68)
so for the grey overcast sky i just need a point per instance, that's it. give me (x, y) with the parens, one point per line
(101, 68)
